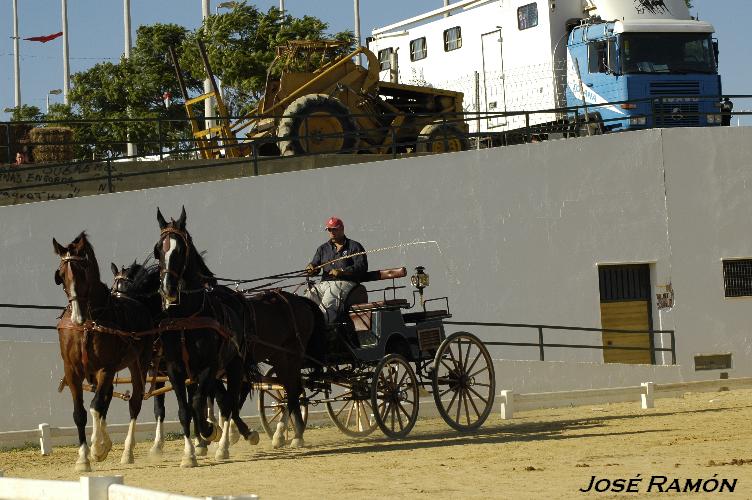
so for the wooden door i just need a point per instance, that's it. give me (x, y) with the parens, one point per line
(625, 305)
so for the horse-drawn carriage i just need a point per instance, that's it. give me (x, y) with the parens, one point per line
(381, 356)
(385, 356)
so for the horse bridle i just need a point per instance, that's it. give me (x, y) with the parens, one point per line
(68, 259)
(163, 270)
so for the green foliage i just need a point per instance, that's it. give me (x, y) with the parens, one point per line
(241, 45)
(132, 88)
(26, 113)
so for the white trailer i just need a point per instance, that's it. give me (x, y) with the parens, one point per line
(515, 55)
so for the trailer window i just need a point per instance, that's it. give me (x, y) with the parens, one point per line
(385, 61)
(527, 16)
(452, 39)
(418, 49)
(597, 57)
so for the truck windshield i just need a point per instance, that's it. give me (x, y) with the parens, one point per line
(668, 53)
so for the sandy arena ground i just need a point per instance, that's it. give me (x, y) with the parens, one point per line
(540, 454)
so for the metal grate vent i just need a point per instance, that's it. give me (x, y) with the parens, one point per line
(429, 339)
(737, 277)
(674, 88)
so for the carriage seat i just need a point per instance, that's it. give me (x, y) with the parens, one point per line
(358, 306)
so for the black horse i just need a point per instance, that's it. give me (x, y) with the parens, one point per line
(141, 283)
(275, 328)
(209, 339)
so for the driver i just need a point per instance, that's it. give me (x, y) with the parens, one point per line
(344, 265)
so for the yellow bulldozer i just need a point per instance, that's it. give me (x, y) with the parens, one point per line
(339, 106)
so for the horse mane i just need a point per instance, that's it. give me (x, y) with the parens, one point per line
(145, 278)
(197, 259)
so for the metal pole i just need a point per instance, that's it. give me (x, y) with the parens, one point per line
(66, 65)
(16, 56)
(477, 110)
(446, 4)
(540, 343)
(208, 103)
(48, 103)
(282, 7)
(130, 147)
(357, 27)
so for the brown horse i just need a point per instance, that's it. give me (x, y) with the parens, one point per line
(95, 343)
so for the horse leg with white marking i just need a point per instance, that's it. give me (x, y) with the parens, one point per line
(138, 378)
(155, 453)
(177, 378)
(101, 444)
(293, 405)
(75, 384)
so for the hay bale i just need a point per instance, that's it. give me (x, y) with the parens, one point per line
(52, 144)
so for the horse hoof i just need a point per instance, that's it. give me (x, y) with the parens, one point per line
(126, 459)
(278, 442)
(253, 438)
(99, 456)
(297, 443)
(188, 462)
(201, 451)
(222, 454)
(155, 454)
(234, 433)
(83, 467)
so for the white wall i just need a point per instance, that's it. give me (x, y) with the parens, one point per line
(520, 231)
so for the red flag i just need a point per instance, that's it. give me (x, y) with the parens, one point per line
(45, 38)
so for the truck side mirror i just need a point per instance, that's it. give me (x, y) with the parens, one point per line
(715, 51)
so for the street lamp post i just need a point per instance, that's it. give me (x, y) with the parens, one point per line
(52, 92)
(66, 66)
(16, 57)
(130, 147)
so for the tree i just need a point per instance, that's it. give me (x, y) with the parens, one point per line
(241, 45)
(132, 88)
(26, 113)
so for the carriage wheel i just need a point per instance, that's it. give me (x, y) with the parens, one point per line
(271, 405)
(394, 395)
(350, 407)
(464, 382)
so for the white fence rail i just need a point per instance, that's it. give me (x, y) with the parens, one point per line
(90, 488)
(646, 393)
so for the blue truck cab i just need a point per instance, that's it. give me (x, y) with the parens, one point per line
(666, 68)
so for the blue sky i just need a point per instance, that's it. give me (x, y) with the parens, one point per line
(96, 34)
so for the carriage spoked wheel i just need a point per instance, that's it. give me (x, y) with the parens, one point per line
(349, 406)
(464, 382)
(395, 396)
(272, 404)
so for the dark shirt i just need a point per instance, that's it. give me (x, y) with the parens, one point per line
(354, 267)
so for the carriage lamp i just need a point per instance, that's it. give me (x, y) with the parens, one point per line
(420, 281)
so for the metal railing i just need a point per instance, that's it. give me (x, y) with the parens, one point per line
(568, 122)
(541, 344)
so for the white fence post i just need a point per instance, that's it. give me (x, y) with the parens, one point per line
(507, 404)
(233, 497)
(648, 395)
(96, 487)
(45, 439)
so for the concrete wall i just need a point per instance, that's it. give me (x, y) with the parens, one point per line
(518, 231)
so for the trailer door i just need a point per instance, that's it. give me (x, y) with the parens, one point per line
(493, 77)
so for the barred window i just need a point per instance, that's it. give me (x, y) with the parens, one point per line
(452, 39)
(418, 49)
(737, 277)
(527, 16)
(385, 61)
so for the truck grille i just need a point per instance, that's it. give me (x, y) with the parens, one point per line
(674, 88)
(677, 114)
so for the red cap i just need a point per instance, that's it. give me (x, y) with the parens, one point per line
(334, 222)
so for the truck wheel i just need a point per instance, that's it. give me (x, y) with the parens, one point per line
(317, 124)
(442, 138)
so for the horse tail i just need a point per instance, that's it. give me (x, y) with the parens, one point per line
(316, 347)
